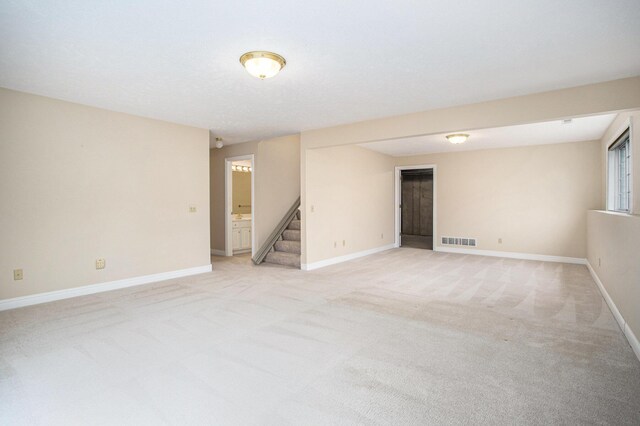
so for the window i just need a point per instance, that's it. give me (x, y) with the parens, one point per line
(619, 170)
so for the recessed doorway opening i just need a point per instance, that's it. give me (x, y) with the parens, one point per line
(415, 200)
(239, 205)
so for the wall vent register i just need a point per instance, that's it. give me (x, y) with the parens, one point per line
(459, 241)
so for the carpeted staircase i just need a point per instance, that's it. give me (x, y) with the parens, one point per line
(286, 250)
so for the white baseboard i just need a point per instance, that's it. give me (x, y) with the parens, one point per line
(217, 252)
(346, 257)
(34, 299)
(513, 255)
(633, 340)
(628, 333)
(612, 306)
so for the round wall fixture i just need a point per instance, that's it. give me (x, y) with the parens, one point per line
(262, 64)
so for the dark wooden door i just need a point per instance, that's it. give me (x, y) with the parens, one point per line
(417, 204)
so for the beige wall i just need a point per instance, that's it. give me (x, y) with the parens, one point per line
(591, 99)
(614, 254)
(79, 183)
(613, 247)
(241, 192)
(349, 198)
(277, 184)
(535, 198)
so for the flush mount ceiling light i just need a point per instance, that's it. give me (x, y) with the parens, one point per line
(262, 64)
(457, 138)
(219, 143)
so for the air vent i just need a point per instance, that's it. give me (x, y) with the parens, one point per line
(459, 241)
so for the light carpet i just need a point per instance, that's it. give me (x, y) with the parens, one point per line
(406, 336)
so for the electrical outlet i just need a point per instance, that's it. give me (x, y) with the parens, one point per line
(17, 274)
(382, 236)
(598, 262)
(312, 208)
(335, 244)
(344, 243)
(192, 209)
(100, 263)
(499, 240)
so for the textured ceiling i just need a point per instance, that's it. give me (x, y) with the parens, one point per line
(346, 60)
(550, 132)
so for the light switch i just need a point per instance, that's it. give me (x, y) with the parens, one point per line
(17, 274)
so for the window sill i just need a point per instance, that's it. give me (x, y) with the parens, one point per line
(614, 213)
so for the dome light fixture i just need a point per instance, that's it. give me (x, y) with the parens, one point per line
(219, 143)
(262, 64)
(457, 138)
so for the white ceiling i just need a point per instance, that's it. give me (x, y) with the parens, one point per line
(580, 129)
(346, 60)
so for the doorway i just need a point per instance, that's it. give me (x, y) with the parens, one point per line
(239, 205)
(415, 194)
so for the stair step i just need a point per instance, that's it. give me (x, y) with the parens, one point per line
(288, 246)
(295, 225)
(291, 235)
(283, 258)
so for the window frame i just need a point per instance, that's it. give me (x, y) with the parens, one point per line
(612, 169)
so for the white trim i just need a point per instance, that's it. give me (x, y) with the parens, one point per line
(513, 255)
(346, 257)
(243, 251)
(397, 199)
(217, 252)
(34, 299)
(228, 203)
(612, 306)
(628, 333)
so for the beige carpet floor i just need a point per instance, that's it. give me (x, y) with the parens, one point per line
(406, 336)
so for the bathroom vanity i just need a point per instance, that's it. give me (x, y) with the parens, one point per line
(241, 233)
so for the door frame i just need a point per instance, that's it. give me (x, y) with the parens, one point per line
(228, 203)
(398, 199)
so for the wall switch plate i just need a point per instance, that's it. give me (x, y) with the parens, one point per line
(17, 274)
(192, 209)
(100, 263)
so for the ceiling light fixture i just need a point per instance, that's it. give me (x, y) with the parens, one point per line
(457, 138)
(262, 64)
(236, 168)
(219, 143)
